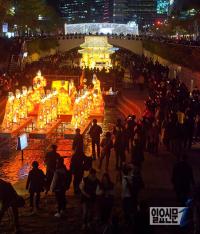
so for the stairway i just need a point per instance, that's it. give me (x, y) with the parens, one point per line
(128, 105)
(14, 64)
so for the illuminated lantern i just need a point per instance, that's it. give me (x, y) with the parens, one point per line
(17, 107)
(24, 102)
(47, 110)
(8, 117)
(97, 96)
(64, 102)
(30, 103)
(96, 52)
(39, 82)
(97, 84)
(72, 90)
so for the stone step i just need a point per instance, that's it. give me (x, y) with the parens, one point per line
(127, 107)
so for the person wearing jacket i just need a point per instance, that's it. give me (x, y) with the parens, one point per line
(50, 161)
(77, 145)
(105, 194)
(95, 133)
(119, 143)
(35, 184)
(77, 170)
(77, 160)
(137, 154)
(127, 199)
(106, 146)
(182, 179)
(88, 189)
(59, 186)
(9, 199)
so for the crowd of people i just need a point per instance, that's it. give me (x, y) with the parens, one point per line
(181, 40)
(65, 65)
(97, 195)
(171, 118)
(11, 82)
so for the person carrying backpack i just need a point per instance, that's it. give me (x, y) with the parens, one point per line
(60, 184)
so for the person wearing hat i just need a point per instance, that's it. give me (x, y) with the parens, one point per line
(50, 161)
(35, 184)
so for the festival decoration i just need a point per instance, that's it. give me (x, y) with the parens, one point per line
(96, 52)
(46, 107)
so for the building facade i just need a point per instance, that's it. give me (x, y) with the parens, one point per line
(163, 7)
(119, 11)
(82, 11)
(108, 11)
(111, 11)
(74, 10)
(144, 12)
(102, 28)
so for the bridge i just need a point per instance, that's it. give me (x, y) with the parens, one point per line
(133, 44)
(174, 56)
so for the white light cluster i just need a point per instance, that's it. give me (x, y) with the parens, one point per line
(102, 28)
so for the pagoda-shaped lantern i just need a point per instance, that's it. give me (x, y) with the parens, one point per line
(96, 52)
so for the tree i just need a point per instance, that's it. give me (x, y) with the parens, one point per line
(52, 21)
(33, 15)
(5, 5)
(185, 5)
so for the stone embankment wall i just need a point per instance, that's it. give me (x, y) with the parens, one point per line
(185, 74)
